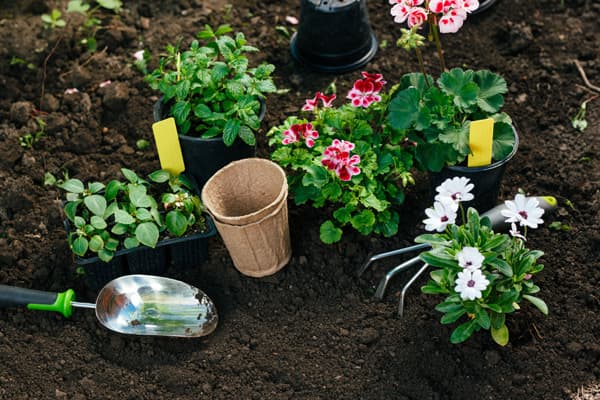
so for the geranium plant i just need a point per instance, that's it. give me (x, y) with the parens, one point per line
(348, 157)
(127, 214)
(437, 113)
(483, 274)
(210, 89)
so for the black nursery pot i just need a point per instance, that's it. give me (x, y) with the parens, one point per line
(334, 35)
(484, 5)
(487, 180)
(204, 157)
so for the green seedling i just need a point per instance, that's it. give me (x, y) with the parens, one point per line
(29, 139)
(53, 20)
(559, 226)
(19, 61)
(283, 31)
(579, 122)
(142, 144)
(92, 24)
(49, 179)
(569, 204)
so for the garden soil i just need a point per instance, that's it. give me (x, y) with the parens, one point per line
(313, 330)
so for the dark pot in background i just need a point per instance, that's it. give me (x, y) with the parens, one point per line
(204, 157)
(484, 5)
(334, 35)
(487, 180)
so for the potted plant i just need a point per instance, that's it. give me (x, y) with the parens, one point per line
(215, 97)
(437, 113)
(347, 157)
(136, 225)
(483, 274)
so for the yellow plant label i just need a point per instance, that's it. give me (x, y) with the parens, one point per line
(168, 147)
(481, 135)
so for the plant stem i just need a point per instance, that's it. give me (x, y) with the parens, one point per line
(438, 42)
(422, 65)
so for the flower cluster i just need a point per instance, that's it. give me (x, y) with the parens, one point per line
(348, 156)
(483, 273)
(449, 14)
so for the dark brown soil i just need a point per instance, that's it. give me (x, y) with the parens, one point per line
(313, 331)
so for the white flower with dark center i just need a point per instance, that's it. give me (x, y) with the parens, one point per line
(523, 210)
(440, 216)
(455, 190)
(470, 258)
(470, 284)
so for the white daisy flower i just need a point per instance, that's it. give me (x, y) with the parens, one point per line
(470, 258)
(523, 210)
(470, 284)
(440, 216)
(455, 190)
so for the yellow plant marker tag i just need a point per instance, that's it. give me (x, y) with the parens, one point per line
(481, 135)
(168, 147)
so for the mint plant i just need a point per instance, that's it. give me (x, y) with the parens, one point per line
(348, 158)
(483, 274)
(437, 115)
(210, 89)
(126, 214)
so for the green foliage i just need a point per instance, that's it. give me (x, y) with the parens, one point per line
(365, 202)
(210, 89)
(53, 20)
(126, 214)
(437, 117)
(92, 24)
(30, 139)
(508, 266)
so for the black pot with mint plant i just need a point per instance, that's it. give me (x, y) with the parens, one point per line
(334, 35)
(135, 226)
(215, 97)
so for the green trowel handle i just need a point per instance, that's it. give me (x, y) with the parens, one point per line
(11, 296)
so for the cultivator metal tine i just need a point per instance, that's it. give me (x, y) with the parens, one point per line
(392, 253)
(380, 292)
(405, 288)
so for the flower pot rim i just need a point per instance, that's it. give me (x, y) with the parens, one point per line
(494, 165)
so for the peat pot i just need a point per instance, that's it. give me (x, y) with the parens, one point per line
(487, 180)
(334, 35)
(248, 202)
(203, 157)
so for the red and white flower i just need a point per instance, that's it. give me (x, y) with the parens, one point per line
(366, 91)
(327, 100)
(337, 157)
(408, 10)
(297, 132)
(312, 104)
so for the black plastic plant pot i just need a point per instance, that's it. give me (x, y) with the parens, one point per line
(148, 261)
(190, 253)
(487, 180)
(334, 35)
(98, 273)
(203, 157)
(484, 5)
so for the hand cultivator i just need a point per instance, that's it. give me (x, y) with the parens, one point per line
(497, 223)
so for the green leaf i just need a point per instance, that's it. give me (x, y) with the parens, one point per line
(482, 317)
(130, 175)
(247, 135)
(96, 204)
(372, 201)
(106, 255)
(119, 229)
(98, 222)
(77, 6)
(266, 86)
(363, 222)
(181, 111)
(114, 5)
(539, 303)
(138, 196)
(143, 214)
(123, 217)
(504, 141)
(433, 288)
(80, 246)
(452, 316)
(343, 214)
(332, 191)
(500, 335)
(448, 306)
(316, 175)
(72, 186)
(182, 88)
(71, 209)
(112, 190)
(95, 187)
(96, 243)
(463, 332)
(458, 138)
(131, 242)
(329, 233)
(160, 176)
(405, 108)
(79, 221)
(460, 84)
(502, 266)
(219, 72)
(491, 89)
(230, 131)
(147, 233)
(176, 222)
(202, 111)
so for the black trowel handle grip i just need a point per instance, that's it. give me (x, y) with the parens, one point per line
(498, 220)
(11, 296)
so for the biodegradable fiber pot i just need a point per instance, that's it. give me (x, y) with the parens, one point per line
(487, 180)
(248, 202)
(334, 35)
(203, 157)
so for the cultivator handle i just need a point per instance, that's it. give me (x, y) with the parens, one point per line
(11, 296)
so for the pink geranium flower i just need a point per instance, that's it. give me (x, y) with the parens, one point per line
(327, 100)
(312, 104)
(337, 157)
(297, 132)
(366, 91)
(452, 21)
(408, 10)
